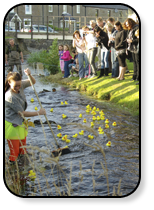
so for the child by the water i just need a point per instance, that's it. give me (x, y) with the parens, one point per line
(75, 69)
(60, 48)
(15, 105)
(66, 57)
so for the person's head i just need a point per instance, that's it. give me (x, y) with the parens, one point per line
(11, 41)
(97, 29)
(137, 33)
(109, 27)
(13, 81)
(118, 25)
(100, 22)
(76, 34)
(60, 47)
(129, 24)
(111, 20)
(66, 47)
(85, 28)
(92, 23)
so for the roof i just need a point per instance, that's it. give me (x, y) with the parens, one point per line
(107, 6)
(11, 16)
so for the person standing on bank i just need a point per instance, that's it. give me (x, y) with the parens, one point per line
(120, 47)
(15, 106)
(102, 39)
(13, 52)
(79, 43)
(90, 41)
(132, 41)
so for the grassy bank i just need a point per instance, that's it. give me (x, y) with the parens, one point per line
(124, 94)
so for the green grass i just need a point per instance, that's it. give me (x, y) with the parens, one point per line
(124, 94)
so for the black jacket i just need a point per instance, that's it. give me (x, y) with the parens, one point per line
(120, 40)
(131, 35)
(103, 39)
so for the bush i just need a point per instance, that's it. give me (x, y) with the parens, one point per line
(50, 60)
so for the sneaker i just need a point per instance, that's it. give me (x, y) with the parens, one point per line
(86, 76)
(80, 78)
(75, 75)
(89, 77)
(70, 76)
(93, 76)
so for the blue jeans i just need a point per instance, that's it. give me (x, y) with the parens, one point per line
(70, 65)
(66, 69)
(115, 63)
(104, 58)
(83, 71)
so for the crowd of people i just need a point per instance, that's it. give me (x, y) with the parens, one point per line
(104, 39)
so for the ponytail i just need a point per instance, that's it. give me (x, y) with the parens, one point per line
(11, 76)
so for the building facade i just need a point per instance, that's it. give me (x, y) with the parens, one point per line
(77, 14)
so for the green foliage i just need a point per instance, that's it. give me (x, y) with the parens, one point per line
(50, 60)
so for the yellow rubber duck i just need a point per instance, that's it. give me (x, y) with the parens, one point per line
(101, 132)
(80, 115)
(92, 124)
(97, 110)
(108, 144)
(93, 113)
(98, 118)
(94, 108)
(64, 116)
(62, 103)
(32, 175)
(101, 113)
(58, 127)
(64, 138)
(88, 106)
(59, 135)
(114, 124)
(102, 118)
(90, 137)
(68, 140)
(32, 100)
(36, 108)
(81, 133)
(94, 118)
(107, 126)
(100, 129)
(106, 121)
(66, 102)
(75, 135)
(51, 110)
(84, 120)
(87, 110)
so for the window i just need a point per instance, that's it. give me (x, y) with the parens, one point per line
(64, 8)
(78, 9)
(96, 12)
(120, 14)
(109, 13)
(28, 9)
(27, 22)
(50, 8)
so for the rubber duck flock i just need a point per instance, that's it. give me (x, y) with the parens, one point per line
(93, 111)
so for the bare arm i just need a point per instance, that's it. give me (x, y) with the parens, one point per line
(28, 73)
(32, 114)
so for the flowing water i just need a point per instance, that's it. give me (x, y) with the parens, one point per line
(83, 166)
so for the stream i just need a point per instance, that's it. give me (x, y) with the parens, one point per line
(79, 173)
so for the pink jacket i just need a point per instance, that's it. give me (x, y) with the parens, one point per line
(66, 56)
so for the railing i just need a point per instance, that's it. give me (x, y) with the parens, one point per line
(57, 25)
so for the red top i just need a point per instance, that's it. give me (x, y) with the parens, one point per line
(66, 56)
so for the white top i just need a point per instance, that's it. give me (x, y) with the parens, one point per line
(91, 41)
(78, 44)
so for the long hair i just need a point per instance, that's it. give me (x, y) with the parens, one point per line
(76, 32)
(15, 76)
(131, 23)
(118, 23)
